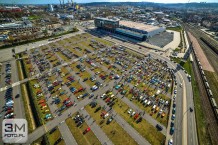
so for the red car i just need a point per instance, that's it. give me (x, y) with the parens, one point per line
(9, 111)
(69, 104)
(66, 100)
(41, 101)
(43, 104)
(81, 89)
(87, 130)
(136, 116)
(107, 100)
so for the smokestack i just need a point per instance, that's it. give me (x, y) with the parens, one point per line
(60, 3)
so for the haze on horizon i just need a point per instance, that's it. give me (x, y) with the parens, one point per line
(88, 1)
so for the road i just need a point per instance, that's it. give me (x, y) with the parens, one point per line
(18, 102)
(6, 54)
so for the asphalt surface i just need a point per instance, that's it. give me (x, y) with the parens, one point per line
(66, 134)
(18, 102)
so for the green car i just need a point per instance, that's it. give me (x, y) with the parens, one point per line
(123, 92)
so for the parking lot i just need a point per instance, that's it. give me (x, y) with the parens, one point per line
(136, 88)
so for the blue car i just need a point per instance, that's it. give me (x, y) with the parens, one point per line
(72, 89)
(85, 95)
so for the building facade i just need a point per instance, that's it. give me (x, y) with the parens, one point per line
(106, 24)
(138, 31)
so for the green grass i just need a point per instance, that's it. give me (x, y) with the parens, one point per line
(105, 42)
(177, 50)
(24, 95)
(54, 136)
(203, 134)
(148, 131)
(87, 139)
(212, 79)
(148, 109)
(40, 112)
(34, 17)
(27, 111)
(120, 136)
(38, 39)
(186, 65)
(178, 29)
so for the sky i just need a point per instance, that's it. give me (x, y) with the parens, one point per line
(87, 1)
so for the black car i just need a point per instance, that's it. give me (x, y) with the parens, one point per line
(139, 120)
(53, 130)
(17, 96)
(159, 127)
(57, 141)
(85, 79)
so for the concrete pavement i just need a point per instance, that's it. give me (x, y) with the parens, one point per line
(66, 134)
(102, 137)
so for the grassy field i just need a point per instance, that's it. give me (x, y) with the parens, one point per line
(178, 29)
(148, 131)
(149, 110)
(212, 79)
(54, 136)
(186, 65)
(40, 111)
(28, 111)
(105, 42)
(87, 139)
(120, 136)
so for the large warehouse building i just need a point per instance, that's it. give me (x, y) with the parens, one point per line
(131, 29)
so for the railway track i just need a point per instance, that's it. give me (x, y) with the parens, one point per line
(208, 109)
(213, 57)
(211, 120)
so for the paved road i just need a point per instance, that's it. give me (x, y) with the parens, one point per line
(18, 102)
(102, 137)
(6, 54)
(66, 134)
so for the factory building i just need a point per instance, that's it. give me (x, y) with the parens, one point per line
(50, 8)
(107, 24)
(130, 29)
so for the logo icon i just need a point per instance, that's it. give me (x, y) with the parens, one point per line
(14, 130)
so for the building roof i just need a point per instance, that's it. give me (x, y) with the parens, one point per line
(107, 19)
(139, 26)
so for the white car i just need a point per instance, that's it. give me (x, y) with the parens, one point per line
(79, 96)
(170, 142)
(130, 110)
(133, 113)
(102, 96)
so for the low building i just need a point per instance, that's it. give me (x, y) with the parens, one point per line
(148, 30)
(107, 24)
(130, 29)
